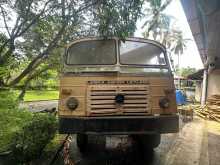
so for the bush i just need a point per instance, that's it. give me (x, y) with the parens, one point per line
(29, 142)
(12, 119)
(8, 99)
(22, 132)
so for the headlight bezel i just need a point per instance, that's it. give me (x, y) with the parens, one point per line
(72, 103)
(164, 103)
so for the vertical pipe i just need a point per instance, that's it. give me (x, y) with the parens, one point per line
(204, 87)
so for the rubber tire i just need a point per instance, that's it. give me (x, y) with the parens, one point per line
(151, 140)
(82, 142)
(147, 142)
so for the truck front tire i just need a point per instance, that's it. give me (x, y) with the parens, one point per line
(82, 142)
(147, 142)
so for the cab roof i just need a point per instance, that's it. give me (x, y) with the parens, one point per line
(137, 39)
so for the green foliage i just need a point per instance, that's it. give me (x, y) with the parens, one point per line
(157, 22)
(46, 29)
(46, 80)
(29, 142)
(4, 61)
(12, 119)
(180, 43)
(185, 71)
(8, 99)
(118, 18)
(22, 132)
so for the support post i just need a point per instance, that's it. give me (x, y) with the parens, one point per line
(204, 87)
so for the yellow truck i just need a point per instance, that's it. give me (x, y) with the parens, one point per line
(117, 87)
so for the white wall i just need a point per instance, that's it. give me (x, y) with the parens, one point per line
(213, 83)
(198, 91)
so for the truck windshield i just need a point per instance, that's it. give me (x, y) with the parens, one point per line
(93, 52)
(141, 53)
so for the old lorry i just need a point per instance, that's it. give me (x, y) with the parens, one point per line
(117, 87)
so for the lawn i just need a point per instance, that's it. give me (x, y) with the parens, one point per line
(35, 95)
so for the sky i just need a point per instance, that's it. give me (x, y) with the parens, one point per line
(190, 57)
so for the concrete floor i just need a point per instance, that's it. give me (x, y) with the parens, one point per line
(197, 143)
(36, 106)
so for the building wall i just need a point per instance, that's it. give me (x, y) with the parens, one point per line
(198, 91)
(214, 83)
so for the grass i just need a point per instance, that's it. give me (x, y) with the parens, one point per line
(35, 95)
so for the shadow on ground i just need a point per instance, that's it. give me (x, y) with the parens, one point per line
(99, 154)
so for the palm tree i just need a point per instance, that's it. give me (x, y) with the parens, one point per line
(159, 25)
(157, 21)
(179, 44)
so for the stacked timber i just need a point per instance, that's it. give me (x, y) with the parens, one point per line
(211, 110)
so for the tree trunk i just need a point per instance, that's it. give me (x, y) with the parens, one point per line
(24, 88)
(22, 94)
(31, 77)
(178, 65)
(38, 59)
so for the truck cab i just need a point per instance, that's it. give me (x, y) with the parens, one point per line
(117, 87)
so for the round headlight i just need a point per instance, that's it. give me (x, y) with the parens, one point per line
(164, 103)
(72, 103)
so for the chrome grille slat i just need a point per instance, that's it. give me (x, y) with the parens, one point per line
(101, 99)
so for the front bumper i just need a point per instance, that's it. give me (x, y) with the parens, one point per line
(120, 125)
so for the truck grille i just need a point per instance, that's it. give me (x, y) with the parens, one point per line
(101, 100)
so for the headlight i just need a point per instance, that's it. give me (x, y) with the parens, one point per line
(72, 103)
(164, 103)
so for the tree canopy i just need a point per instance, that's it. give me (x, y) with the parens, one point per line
(35, 31)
